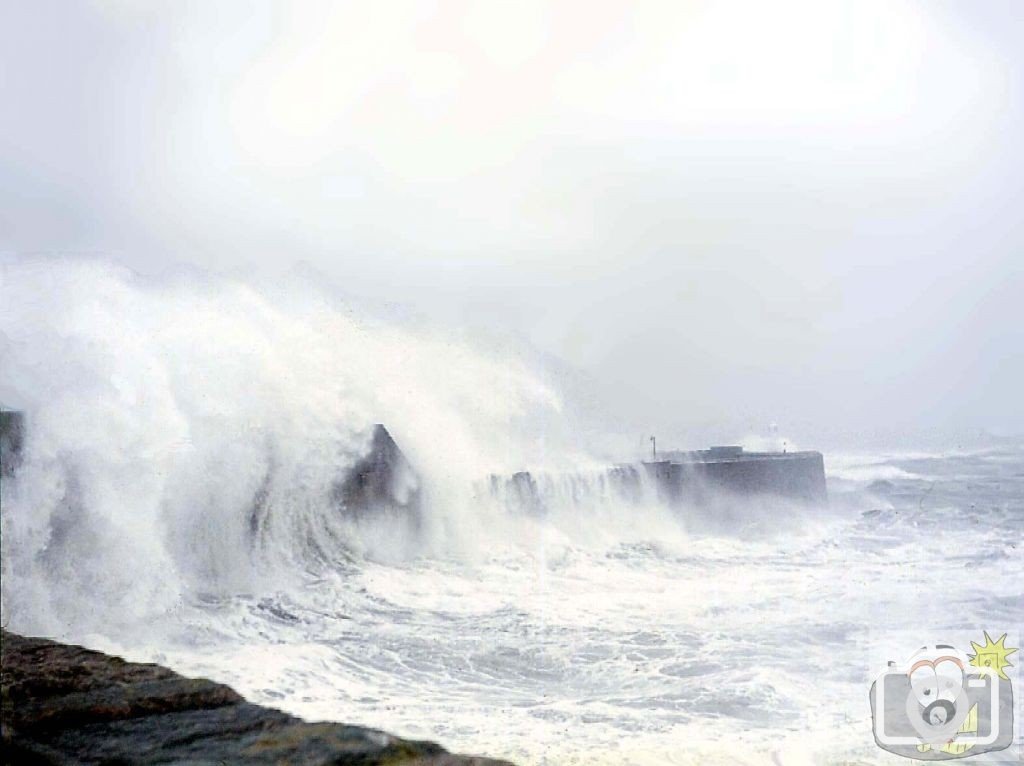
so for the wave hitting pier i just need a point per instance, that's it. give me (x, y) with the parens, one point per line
(384, 481)
(381, 480)
(699, 478)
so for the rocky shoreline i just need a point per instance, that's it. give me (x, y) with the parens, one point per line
(69, 705)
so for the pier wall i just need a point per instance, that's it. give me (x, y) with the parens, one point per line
(795, 476)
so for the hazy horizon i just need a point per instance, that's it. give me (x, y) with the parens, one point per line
(525, 237)
(721, 215)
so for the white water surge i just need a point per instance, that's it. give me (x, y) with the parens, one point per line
(605, 632)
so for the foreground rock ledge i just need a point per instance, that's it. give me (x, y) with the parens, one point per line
(65, 704)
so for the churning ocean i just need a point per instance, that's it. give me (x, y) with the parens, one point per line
(602, 632)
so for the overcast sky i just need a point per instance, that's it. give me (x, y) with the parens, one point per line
(723, 212)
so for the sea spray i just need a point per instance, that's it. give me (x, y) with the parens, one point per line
(160, 409)
(606, 629)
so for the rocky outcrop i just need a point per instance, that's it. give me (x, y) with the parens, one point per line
(69, 705)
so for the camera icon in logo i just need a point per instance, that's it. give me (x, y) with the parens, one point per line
(940, 705)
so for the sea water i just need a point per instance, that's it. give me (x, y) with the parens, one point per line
(602, 631)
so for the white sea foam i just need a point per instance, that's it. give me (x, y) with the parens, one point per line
(158, 411)
(603, 631)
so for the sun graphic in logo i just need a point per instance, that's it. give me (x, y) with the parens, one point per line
(992, 655)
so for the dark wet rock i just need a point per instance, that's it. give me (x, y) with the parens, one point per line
(68, 705)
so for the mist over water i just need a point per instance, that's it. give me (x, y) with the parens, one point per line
(608, 630)
(618, 220)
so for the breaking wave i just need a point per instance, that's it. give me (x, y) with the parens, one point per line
(605, 628)
(160, 411)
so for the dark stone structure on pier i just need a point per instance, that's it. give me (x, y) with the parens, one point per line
(701, 475)
(12, 441)
(520, 492)
(382, 481)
